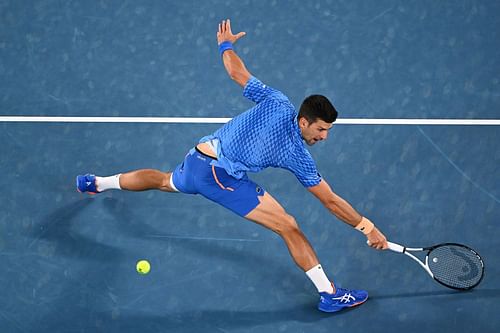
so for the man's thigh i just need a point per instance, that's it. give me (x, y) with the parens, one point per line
(269, 213)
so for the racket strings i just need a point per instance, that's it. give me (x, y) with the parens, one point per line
(456, 266)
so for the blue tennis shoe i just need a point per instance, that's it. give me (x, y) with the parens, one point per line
(343, 298)
(86, 183)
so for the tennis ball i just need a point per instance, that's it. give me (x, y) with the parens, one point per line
(143, 267)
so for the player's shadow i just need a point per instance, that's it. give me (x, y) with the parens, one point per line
(65, 227)
(200, 320)
(209, 250)
(250, 255)
(76, 249)
(125, 220)
(222, 320)
(61, 228)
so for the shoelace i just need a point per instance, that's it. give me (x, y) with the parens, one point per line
(346, 297)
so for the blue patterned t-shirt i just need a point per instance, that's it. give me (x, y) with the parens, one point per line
(266, 135)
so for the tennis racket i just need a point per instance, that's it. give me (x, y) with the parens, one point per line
(453, 265)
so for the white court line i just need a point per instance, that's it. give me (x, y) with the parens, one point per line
(193, 120)
(188, 120)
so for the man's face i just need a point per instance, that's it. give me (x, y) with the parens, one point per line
(315, 131)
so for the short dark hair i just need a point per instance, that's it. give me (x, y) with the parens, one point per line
(317, 106)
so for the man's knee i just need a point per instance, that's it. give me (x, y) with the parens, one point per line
(166, 183)
(287, 224)
(165, 179)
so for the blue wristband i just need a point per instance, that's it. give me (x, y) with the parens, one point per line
(224, 46)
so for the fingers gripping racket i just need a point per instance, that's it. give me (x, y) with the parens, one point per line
(453, 265)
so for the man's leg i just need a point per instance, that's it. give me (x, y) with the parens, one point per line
(145, 179)
(139, 180)
(270, 214)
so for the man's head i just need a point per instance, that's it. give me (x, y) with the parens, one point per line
(316, 117)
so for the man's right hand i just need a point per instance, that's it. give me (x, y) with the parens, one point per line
(377, 240)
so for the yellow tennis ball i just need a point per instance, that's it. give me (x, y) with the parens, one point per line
(143, 267)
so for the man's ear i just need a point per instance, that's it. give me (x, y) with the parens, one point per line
(303, 122)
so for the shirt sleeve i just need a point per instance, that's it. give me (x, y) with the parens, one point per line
(303, 166)
(257, 91)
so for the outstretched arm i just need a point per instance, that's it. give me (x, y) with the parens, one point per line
(233, 64)
(344, 211)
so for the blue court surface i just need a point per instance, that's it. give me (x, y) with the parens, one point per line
(68, 259)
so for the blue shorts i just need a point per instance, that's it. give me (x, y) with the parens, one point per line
(197, 175)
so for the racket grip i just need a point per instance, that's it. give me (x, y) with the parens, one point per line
(396, 247)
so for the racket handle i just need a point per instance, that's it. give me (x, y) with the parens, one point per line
(396, 247)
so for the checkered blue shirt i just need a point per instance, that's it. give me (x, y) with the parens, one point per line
(266, 135)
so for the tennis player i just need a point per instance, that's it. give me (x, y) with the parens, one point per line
(270, 134)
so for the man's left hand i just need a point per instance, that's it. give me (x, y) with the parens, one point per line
(225, 35)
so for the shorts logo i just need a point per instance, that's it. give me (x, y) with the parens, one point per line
(258, 189)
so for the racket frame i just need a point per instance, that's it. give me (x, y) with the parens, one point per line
(403, 249)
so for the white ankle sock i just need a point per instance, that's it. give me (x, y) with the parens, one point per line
(318, 277)
(108, 183)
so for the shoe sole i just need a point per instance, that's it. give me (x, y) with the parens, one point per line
(88, 192)
(342, 307)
